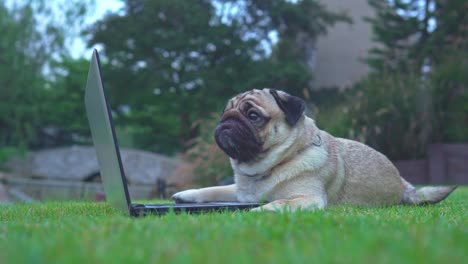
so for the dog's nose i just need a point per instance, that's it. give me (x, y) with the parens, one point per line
(223, 130)
(224, 136)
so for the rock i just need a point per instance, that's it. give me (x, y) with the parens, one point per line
(79, 163)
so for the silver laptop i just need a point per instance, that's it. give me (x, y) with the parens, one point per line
(110, 164)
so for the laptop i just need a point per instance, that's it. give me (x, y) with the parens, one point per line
(110, 164)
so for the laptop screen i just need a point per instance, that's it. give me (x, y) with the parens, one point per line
(105, 143)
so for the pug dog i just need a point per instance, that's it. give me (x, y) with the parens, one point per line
(280, 156)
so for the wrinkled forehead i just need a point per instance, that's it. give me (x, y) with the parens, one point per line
(255, 97)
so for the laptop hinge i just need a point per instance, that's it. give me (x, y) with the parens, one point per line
(137, 210)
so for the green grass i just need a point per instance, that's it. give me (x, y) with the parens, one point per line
(95, 233)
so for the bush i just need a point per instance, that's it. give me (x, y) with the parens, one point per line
(329, 108)
(450, 99)
(400, 114)
(389, 112)
(7, 152)
(210, 164)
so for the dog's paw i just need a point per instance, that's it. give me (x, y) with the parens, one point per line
(187, 196)
(266, 208)
(257, 209)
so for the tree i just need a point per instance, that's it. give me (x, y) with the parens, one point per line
(66, 121)
(450, 35)
(32, 35)
(412, 34)
(417, 92)
(395, 27)
(170, 63)
(20, 77)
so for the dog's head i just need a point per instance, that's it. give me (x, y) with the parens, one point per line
(255, 122)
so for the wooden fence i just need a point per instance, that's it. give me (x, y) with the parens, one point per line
(445, 164)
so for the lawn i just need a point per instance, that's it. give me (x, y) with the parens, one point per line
(95, 233)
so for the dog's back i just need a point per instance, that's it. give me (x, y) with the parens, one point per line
(370, 178)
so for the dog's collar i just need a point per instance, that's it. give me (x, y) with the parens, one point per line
(318, 140)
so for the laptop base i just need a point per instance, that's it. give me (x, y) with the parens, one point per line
(190, 208)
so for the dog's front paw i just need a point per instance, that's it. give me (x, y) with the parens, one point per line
(187, 196)
(266, 208)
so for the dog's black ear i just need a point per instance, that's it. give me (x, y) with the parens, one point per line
(292, 106)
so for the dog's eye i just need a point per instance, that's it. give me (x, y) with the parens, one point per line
(254, 116)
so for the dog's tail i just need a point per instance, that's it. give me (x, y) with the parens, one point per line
(426, 195)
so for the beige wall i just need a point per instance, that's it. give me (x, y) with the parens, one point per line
(338, 54)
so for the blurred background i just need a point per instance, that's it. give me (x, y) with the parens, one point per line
(392, 74)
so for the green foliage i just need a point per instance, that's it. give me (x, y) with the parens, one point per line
(95, 233)
(7, 152)
(329, 109)
(32, 34)
(210, 164)
(449, 84)
(65, 107)
(417, 93)
(413, 33)
(400, 114)
(386, 113)
(451, 32)
(395, 27)
(173, 62)
(20, 75)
